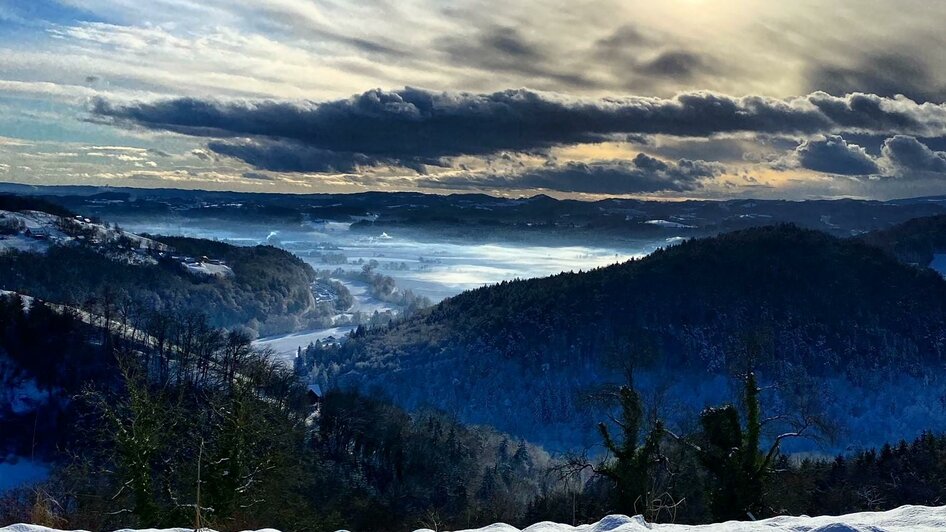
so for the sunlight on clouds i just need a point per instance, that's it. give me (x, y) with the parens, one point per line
(316, 51)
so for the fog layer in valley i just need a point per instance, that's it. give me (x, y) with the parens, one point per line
(429, 267)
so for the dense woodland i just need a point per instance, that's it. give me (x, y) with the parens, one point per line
(914, 241)
(178, 423)
(269, 293)
(520, 355)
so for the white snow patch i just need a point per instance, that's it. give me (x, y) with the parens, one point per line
(903, 519)
(207, 268)
(35, 528)
(42, 229)
(938, 263)
(284, 346)
(22, 243)
(668, 224)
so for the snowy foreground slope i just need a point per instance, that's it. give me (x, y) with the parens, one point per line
(903, 519)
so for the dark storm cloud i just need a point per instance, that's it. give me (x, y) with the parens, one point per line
(290, 156)
(643, 174)
(881, 74)
(418, 123)
(907, 154)
(835, 156)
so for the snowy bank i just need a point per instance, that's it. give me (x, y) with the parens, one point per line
(903, 519)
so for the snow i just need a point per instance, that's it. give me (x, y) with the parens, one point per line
(49, 227)
(284, 346)
(668, 224)
(938, 263)
(207, 268)
(903, 519)
(22, 243)
(34, 528)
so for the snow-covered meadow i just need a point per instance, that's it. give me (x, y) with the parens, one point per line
(903, 519)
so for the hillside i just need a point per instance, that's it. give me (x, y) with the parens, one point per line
(915, 241)
(75, 261)
(803, 306)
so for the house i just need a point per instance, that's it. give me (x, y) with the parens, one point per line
(39, 233)
(314, 394)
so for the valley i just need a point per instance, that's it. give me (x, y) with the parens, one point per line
(511, 337)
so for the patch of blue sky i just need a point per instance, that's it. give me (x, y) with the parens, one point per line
(38, 13)
(42, 120)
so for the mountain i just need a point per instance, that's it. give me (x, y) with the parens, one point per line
(484, 218)
(807, 310)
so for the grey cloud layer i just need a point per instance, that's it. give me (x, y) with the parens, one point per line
(901, 156)
(414, 124)
(643, 174)
(288, 156)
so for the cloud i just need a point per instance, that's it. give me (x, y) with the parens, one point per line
(643, 174)
(677, 64)
(413, 124)
(831, 154)
(505, 49)
(258, 176)
(289, 156)
(907, 154)
(884, 74)
(902, 157)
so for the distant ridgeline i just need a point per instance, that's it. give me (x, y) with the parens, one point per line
(61, 258)
(843, 328)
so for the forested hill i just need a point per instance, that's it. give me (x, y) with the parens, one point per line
(915, 241)
(519, 354)
(263, 288)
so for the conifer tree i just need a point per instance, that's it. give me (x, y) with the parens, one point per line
(632, 467)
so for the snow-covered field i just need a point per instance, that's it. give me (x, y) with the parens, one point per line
(284, 346)
(207, 268)
(903, 519)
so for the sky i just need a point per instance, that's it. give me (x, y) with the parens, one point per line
(675, 99)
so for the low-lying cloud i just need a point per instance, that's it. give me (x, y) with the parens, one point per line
(640, 175)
